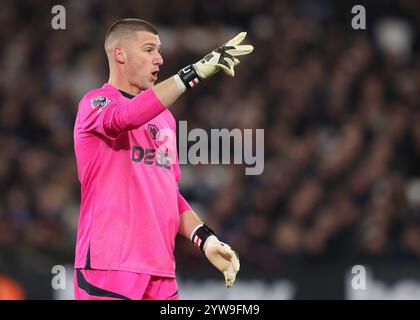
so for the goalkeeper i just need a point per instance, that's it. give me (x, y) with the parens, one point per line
(124, 139)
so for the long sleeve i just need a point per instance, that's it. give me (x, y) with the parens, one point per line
(183, 205)
(112, 114)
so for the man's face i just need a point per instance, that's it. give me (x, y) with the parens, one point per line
(143, 59)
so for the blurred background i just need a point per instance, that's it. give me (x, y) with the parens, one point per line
(340, 110)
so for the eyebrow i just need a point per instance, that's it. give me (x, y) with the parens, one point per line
(149, 43)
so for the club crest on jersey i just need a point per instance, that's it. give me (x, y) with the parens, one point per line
(153, 131)
(100, 102)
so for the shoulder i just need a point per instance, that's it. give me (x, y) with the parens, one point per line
(105, 91)
(99, 97)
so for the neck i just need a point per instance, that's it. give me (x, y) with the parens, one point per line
(123, 84)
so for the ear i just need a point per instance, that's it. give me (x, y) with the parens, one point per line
(119, 55)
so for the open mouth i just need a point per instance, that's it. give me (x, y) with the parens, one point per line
(155, 75)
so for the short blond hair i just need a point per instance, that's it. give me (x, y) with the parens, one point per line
(128, 27)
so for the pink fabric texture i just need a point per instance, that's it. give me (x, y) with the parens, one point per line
(128, 169)
(122, 285)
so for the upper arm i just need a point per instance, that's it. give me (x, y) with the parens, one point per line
(95, 112)
(110, 115)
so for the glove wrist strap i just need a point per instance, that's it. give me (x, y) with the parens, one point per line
(189, 76)
(200, 235)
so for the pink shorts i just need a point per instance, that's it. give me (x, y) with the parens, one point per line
(122, 285)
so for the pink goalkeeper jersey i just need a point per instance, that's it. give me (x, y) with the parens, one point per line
(130, 203)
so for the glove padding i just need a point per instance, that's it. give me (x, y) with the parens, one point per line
(224, 259)
(223, 58)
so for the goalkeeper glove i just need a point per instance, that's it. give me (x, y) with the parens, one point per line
(224, 57)
(223, 258)
(218, 253)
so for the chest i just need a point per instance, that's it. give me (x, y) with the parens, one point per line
(154, 143)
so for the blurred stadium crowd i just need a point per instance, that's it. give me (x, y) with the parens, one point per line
(340, 109)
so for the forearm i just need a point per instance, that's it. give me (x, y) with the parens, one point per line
(188, 222)
(168, 91)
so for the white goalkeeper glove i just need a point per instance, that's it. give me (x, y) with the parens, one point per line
(223, 258)
(224, 57)
(219, 254)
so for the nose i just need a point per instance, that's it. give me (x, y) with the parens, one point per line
(158, 60)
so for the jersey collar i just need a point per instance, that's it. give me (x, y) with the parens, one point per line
(125, 94)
